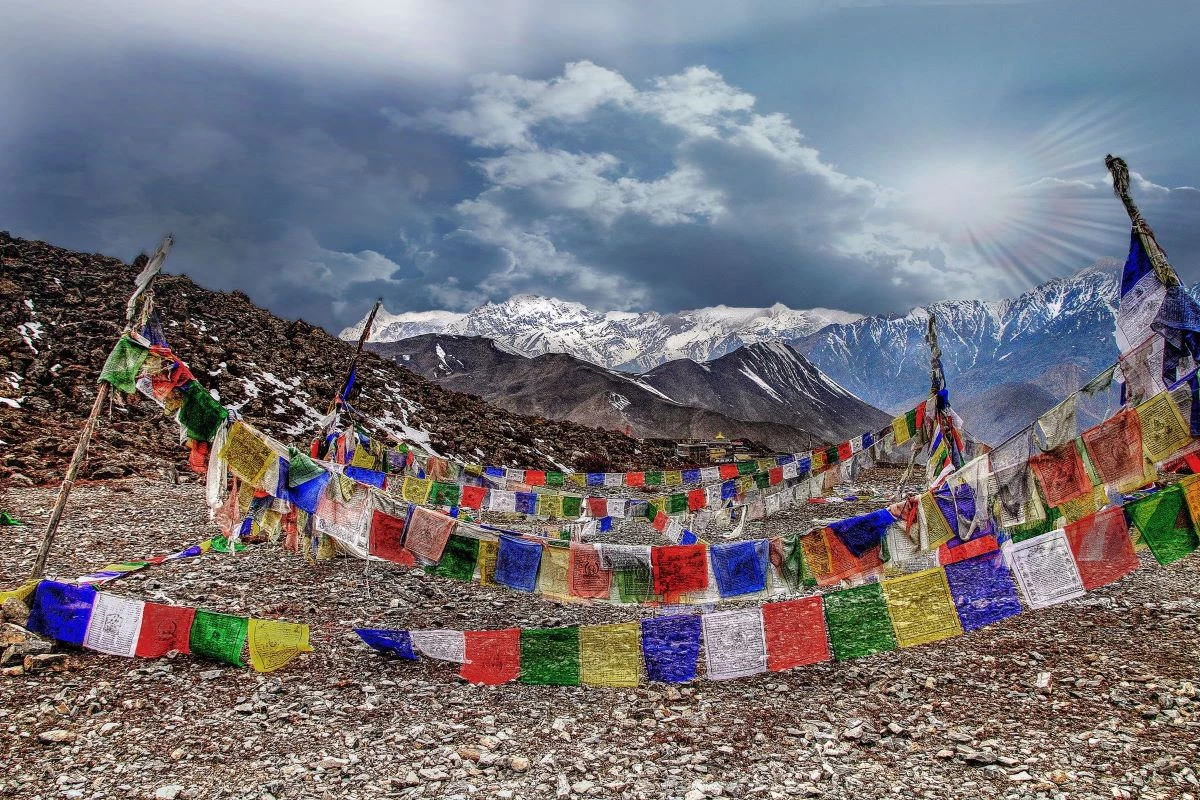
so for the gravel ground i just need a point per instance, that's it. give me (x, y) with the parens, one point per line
(964, 718)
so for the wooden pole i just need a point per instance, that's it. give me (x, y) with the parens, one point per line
(136, 300)
(362, 340)
(1158, 258)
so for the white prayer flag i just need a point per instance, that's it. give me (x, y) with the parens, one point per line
(616, 507)
(514, 475)
(115, 624)
(710, 474)
(734, 643)
(441, 644)
(1045, 569)
(500, 500)
(614, 480)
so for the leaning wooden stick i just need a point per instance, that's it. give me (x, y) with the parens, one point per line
(344, 386)
(132, 312)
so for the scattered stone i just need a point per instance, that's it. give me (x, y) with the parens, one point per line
(56, 736)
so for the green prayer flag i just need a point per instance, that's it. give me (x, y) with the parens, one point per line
(554, 479)
(653, 479)
(301, 468)
(123, 365)
(831, 454)
(792, 568)
(8, 519)
(219, 636)
(458, 558)
(651, 511)
(201, 415)
(858, 622)
(910, 421)
(1020, 533)
(221, 545)
(1165, 525)
(762, 480)
(677, 503)
(634, 585)
(550, 656)
(747, 467)
(572, 506)
(443, 494)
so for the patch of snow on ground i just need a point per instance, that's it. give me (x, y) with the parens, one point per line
(30, 332)
(618, 401)
(10, 402)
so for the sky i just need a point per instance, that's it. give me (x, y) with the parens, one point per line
(865, 156)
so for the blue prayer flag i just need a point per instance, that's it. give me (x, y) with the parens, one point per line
(740, 567)
(526, 502)
(728, 490)
(688, 538)
(308, 494)
(517, 562)
(671, 646)
(595, 479)
(691, 476)
(860, 534)
(368, 476)
(495, 472)
(605, 524)
(396, 642)
(61, 611)
(983, 590)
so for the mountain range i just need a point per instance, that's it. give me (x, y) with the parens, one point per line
(763, 391)
(1006, 361)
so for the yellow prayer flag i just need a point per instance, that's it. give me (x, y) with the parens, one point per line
(1163, 428)
(673, 477)
(818, 460)
(921, 607)
(416, 490)
(363, 457)
(553, 575)
(1085, 505)
(937, 529)
(485, 561)
(247, 455)
(577, 478)
(550, 505)
(900, 430)
(273, 643)
(610, 655)
(22, 593)
(745, 484)
(660, 503)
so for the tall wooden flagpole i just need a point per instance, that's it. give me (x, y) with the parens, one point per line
(132, 311)
(1158, 259)
(362, 340)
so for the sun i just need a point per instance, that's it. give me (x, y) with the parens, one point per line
(965, 200)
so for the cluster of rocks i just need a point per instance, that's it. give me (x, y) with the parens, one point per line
(61, 312)
(22, 651)
(1091, 698)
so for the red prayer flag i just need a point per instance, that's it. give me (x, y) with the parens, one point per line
(164, 628)
(535, 477)
(598, 506)
(472, 497)
(493, 657)
(585, 577)
(775, 475)
(427, 533)
(1115, 447)
(635, 479)
(845, 452)
(661, 521)
(978, 546)
(387, 534)
(678, 569)
(728, 471)
(697, 499)
(795, 632)
(1102, 548)
(1061, 474)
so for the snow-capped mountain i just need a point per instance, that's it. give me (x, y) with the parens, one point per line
(763, 391)
(632, 342)
(1055, 336)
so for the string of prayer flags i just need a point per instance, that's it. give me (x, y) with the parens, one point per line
(1045, 569)
(921, 608)
(795, 633)
(517, 562)
(735, 644)
(610, 655)
(740, 567)
(550, 656)
(218, 636)
(1163, 520)
(492, 657)
(61, 611)
(671, 647)
(1102, 548)
(273, 644)
(858, 622)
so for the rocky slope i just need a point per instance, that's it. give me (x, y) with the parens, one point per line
(619, 340)
(559, 386)
(60, 313)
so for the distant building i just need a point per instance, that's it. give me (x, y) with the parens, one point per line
(717, 450)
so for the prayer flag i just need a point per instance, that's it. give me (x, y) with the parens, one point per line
(671, 647)
(1163, 429)
(123, 364)
(427, 534)
(550, 656)
(983, 590)
(554, 574)
(697, 499)
(492, 657)
(1045, 570)
(61, 611)
(1115, 447)
(572, 507)
(1102, 548)
(921, 608)
(273, 643)
(1164, 523)
(788, 557)
(458, 559)
(387, 537)
(587, 579)
(219, 636)
(858, 622)
(679, 569)
(1061, 474)
(416, 490)
(486, 560)
(398, 643)
(200, 415)
(740, 567)
(535, 477)
(164, 628)
(442, 493)
(728, 471)
(862, 533)
(610, 655)
(517, 563)
(634, 479)
(247, 455)
(735, 644)
(114, 625)
(795, 633)
(440, 644)
(472, 497)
